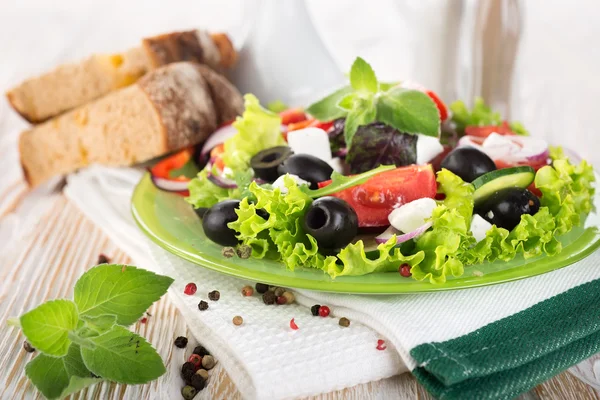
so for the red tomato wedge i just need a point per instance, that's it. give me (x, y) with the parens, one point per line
(292, 115)
(485, 131)
(375, 199)
(439, 103)
(162, 168)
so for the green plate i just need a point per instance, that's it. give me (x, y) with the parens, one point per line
(171, 223)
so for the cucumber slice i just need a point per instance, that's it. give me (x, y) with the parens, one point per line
(494, 181)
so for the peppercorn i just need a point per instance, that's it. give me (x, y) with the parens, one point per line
(237, 320)
(314, 310)
(281, 300)
(247, 291)
(201, 351)
(197, 382)
(345, 322)
(196, 360)
(214, 295)
(181, 342)
(190, 289)
(188, 392)
(208, 362)
(261, 288)
(269, 298)
(324, 311)
(279, 291)
(187, 370)
(202, 305)
(28, 347)
(289, 296)
(103, 259)
(405, 270)
(272, 288)
(203, 373)
(244, 251)
(228, 252)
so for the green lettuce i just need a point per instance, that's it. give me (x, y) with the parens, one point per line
(257, 129)
(480, 115)
(205, 194)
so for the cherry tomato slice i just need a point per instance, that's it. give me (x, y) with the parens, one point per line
(485, 131)
(292, 115)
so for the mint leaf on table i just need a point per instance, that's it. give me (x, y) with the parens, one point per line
(362, 77)
(47, 326)
(409, 111)
(363, 113)
(340, 182)
(123, 356)
(123, 291)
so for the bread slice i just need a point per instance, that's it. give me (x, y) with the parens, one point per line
(71, 85)
(169, 109)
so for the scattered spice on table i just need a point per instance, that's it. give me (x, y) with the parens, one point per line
(188, 392)
(381, 345)
(324, 311)
(202, 373)
(269, 297)
(28, 347)
(244, 251)
(208, 362)
(197, 382)
(181, 342)
(261, 288)
(143, 320)
(188, 370)
(103, 259)
(228, 252)
(279, 291)
(214, 295)
(247, 291)
(237, 320)
(293, 325)
(281, 300)
(314, 310)
(289, 296)
(203, 305)
(196, 360)
(345, 322)
(201, 351)
(190, 289)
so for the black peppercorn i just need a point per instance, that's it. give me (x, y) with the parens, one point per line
(181, 342)
(214, 295)
(261, 288)
(201, 351)
(314, 310)
(197, 382)
(269, 297)
(188, 369)
(202, 305)
(103, 259)
(28, 347)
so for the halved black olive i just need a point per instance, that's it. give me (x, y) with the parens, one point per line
(307, 167)
(505, 207)
(468, 163)
(332, 222)
(265, 162)
(215, 222)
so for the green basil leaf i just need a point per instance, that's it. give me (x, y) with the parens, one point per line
(385, 86)
(120, 290)
(362, 77)
(327, 108)
(277, 106)
(347, 103)
(363, 113)
(123, 356)
(47, 326)
(340, 182)
(409, 111)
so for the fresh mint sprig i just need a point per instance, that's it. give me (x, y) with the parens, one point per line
(85, 341)
(367, 100)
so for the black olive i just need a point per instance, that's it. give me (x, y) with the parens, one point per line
(201, 211)
(332, 222)
(307, 167)
(505, 207)
(261, 212)
(468, 163)
(265, 162)
(215, 222)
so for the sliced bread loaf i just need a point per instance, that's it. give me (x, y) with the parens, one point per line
(170, 108)
(71, 85)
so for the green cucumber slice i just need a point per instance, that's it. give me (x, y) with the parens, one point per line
(490, 183)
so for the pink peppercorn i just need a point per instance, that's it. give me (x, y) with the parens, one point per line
(196, 360)
(324, 311)
(405, 270)
(190, 289)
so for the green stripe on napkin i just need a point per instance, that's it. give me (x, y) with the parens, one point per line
(511, 355)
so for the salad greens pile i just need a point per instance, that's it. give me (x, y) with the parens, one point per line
(480, 115)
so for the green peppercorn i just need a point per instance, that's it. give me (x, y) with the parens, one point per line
(269, 297)
(279, 291)
(188, 392)
(214, 295)
(201, 351)
(203, 373)
(228, 252)
(197, 382)
(202, 305)
(345, 322)
(28, 347)
(289, 296)
(244, 251)
(261, 288)
(314, 310)
(181, 342)
(208, 362)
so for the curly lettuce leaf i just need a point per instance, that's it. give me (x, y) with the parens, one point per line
(480, 115)
(204, 193)
(257, 129)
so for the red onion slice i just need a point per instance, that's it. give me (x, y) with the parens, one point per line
(170, 185)
(219, 136)
(221, 181)
(522, 149)
(401, 238)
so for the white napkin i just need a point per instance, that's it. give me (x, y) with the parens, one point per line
(265, 357)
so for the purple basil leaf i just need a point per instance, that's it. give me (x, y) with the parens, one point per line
(378, 144)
